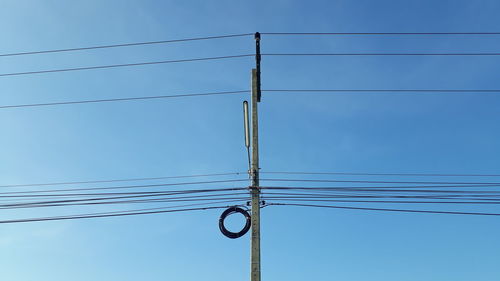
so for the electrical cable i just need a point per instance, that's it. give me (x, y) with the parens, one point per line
(230, 211)
(276, 91)
(382, 201)
(380, 174)
(3, 206)
(406, 199)
(237, 35)
(385, 209)
(112, 214)
(381, 182)
(121, 180)
(127, 186)
(386, 190)
(377, 54)
(380, 33)
(124, 99)
(266, 193)
(123, 65)
(125, 45)
(136, 201)
(369, 194)
(28, 194)
(381, 91)
(385, 186)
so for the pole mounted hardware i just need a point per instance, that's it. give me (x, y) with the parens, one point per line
(246, 125)
(257, 63)
(230, 211)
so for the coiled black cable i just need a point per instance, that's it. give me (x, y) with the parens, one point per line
(230, 211)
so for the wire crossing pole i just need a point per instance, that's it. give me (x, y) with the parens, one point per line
(254, 189)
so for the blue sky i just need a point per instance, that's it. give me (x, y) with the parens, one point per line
(400, 133)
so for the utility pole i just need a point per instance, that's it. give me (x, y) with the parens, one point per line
(254, 172)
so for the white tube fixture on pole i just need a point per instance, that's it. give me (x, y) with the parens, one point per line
(246, 124)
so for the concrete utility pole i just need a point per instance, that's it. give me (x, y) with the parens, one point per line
(254, 172)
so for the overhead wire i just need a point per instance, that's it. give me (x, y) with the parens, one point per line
(382, 91)
(369, 196)
(124, 65)
(142, 43)
(113, 200)
(125, 187)
(387, 186)
(381, 182)
(450, 198)
(380, 174)
(380, 33)
(372, 195)
(145, 201)
(91, 196)
(386, 209)
(385, 189)
(377, 54)
(377, 190)
(43, 193)
(494, 91)
(211, 196)
(383, 201)
(125, 45)
(118, 213)
(237, 56)
(122, 180)
(373, 188)
(125, 99)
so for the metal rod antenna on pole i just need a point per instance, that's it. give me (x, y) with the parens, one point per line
(254, 188)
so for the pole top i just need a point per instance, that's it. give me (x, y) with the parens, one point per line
(257, 36)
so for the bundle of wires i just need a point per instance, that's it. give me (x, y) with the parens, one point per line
(353, 191)
(438, 196)
(106, 198)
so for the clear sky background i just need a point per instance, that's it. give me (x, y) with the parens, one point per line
(395, 133)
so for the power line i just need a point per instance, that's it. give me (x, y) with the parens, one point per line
(107, 200)
(380, 33)
(233, 36)
(116, 214)
(383, 182)
(122, 180)
(382, 201)
(370, 195)
(425, 184)
(275, 91)
(136, 201)
(125, 45)
(379, 54)
(326, 191)
(382, 174)
(444, 185)
(43, 193)
(127, 186)
(385, 189)
(124, 99)
(385, 209)
(385, 90)
(123, 65)
(117, 198)
(386, 199)
(240, 56)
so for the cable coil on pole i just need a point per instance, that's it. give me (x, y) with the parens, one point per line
(230, 211)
